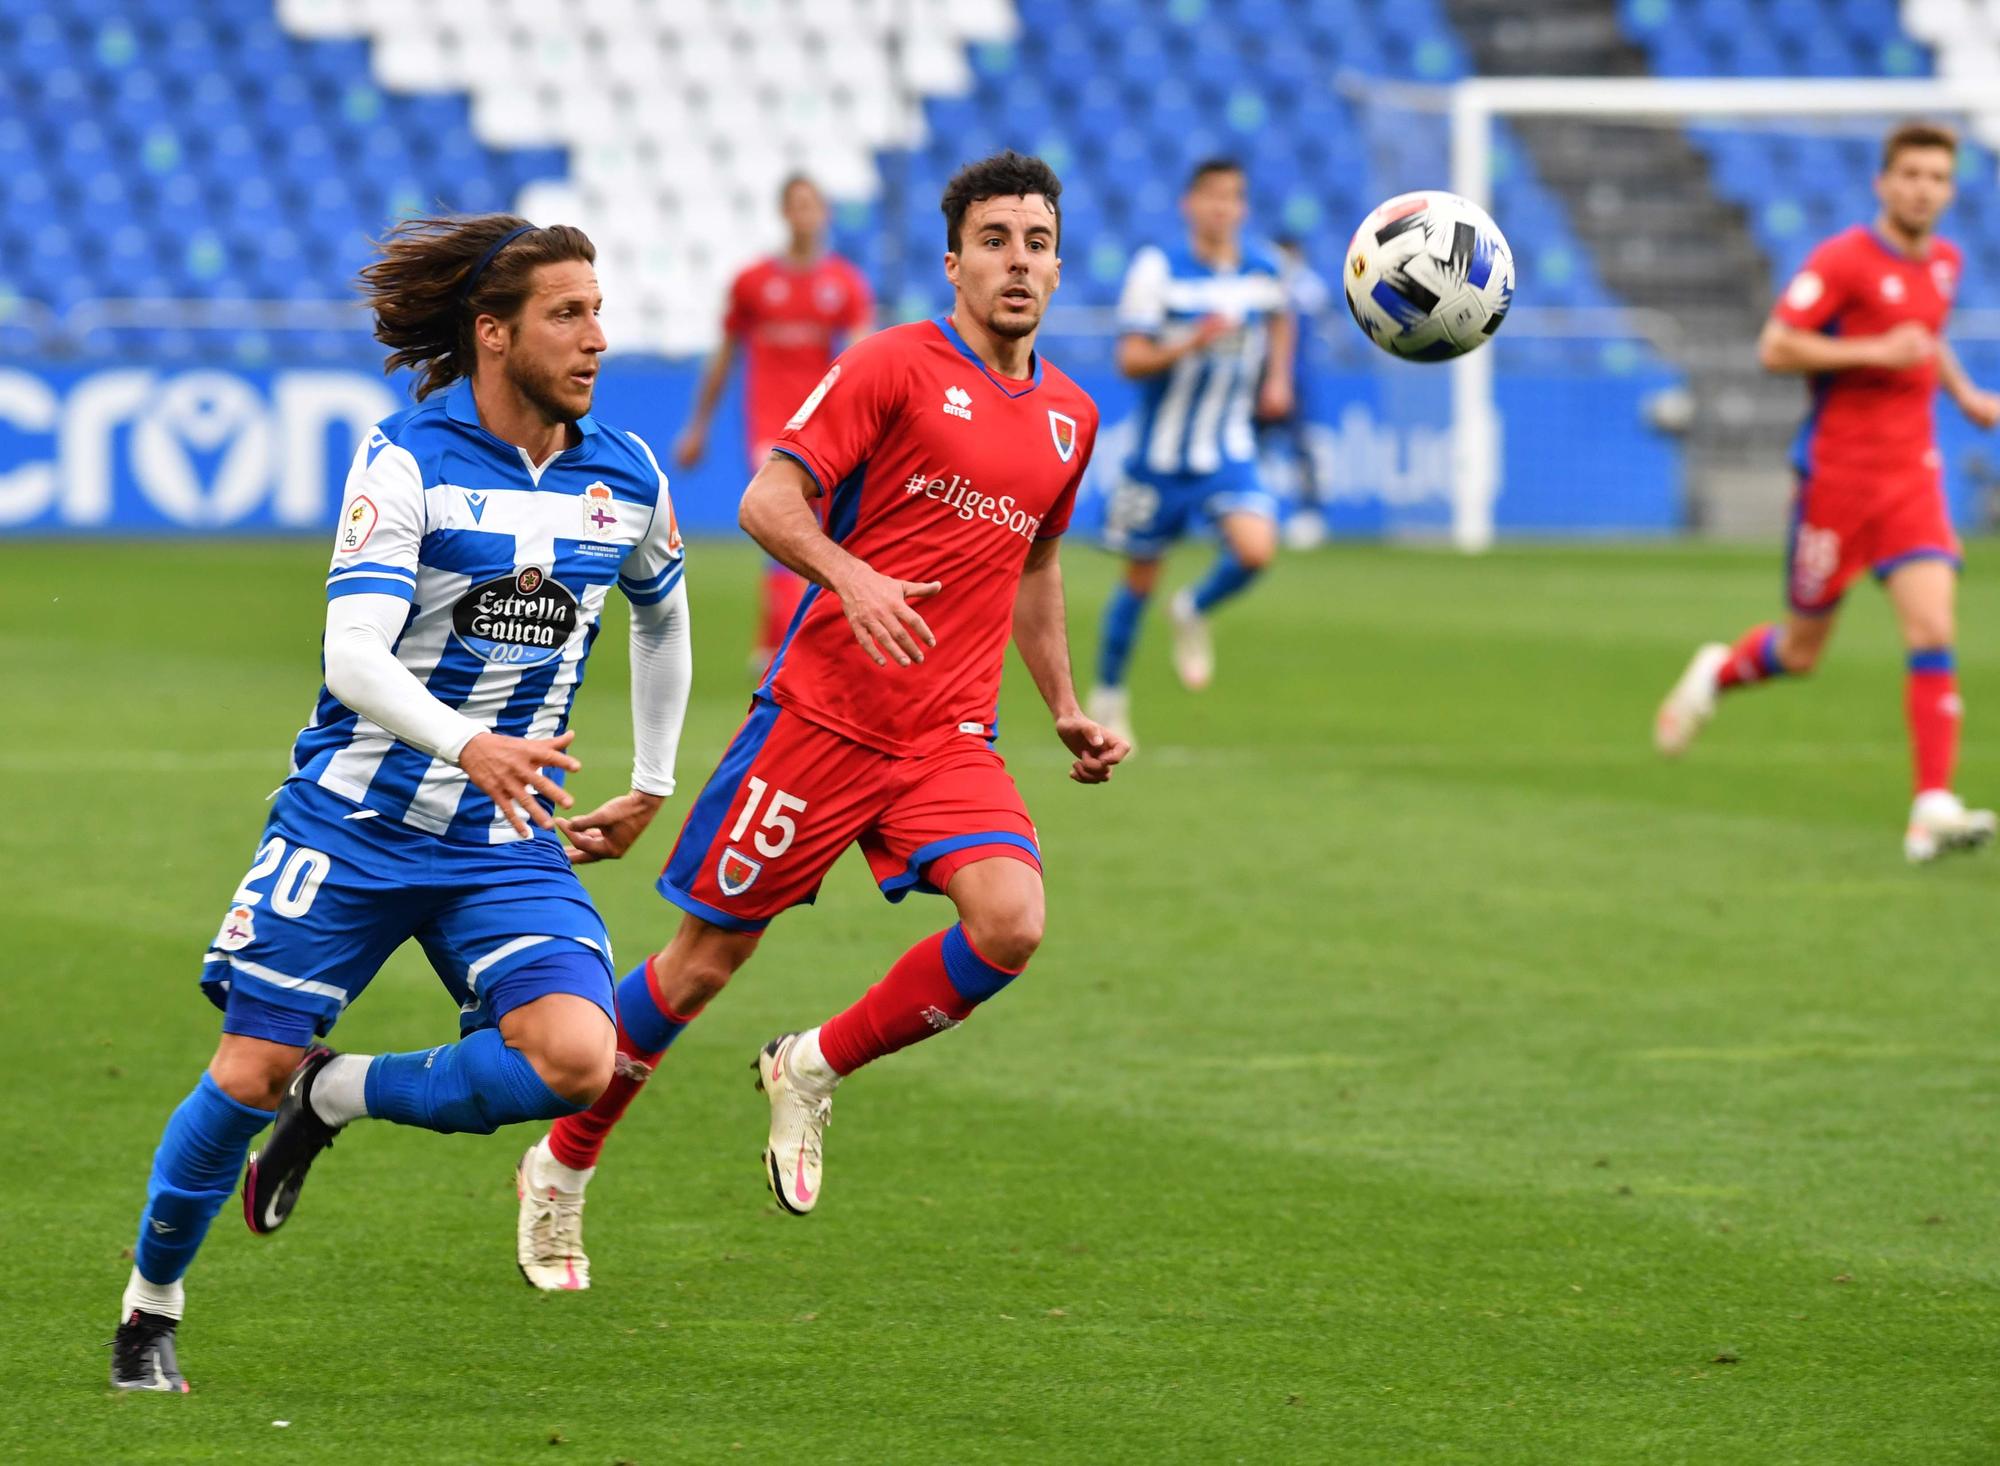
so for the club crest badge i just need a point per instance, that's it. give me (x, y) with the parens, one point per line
(1063, 431)
(737, 872)
(239, 930)
(600, 512)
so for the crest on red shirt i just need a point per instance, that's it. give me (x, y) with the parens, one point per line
(1063, 430)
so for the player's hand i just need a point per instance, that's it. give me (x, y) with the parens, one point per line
(1096, 748)
(1906, 344)
(508, 771)
(690, 445)
(1981, 408)
(878, 610)
(611, 829)
(1210, 329)
(1275, 400)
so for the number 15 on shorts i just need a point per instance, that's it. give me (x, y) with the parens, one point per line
(777, 829)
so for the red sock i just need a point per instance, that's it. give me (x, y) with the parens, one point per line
(1930, 701)
(577, 1140)
(1754, 658)
(915, 1000)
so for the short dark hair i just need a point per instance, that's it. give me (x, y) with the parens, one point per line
(1207, 167)
(1917, 135)
(1002, 176)
(428, 285)
(792, 181)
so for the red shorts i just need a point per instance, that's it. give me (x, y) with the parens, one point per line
(1840, 530)
(790, 796)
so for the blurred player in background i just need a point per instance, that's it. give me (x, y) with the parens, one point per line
(949, 453)
(1863, 320)
(1206, 332)
(480, 535)
(788, 314)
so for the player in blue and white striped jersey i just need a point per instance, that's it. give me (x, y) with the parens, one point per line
(481, 532)
(1205, 329)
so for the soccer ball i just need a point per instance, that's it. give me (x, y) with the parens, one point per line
(1429, 276)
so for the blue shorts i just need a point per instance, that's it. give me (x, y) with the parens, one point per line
(334, 889)
(1149, 511)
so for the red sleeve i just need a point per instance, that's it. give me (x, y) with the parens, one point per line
(1818, 292)
(838, 426)
(1056, 521)
(741, 313)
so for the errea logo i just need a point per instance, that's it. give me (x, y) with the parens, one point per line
(958, 402)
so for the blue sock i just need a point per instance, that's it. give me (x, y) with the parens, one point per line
(641, 1018)
(1228, 577)
(974, 978)
(1120, 635)
(194, 1171)
(472, 1087)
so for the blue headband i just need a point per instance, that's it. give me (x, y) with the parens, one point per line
(472, 280)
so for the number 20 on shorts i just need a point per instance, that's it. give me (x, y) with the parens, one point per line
(777, 820)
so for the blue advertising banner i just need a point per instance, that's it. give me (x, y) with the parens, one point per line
(151, 450)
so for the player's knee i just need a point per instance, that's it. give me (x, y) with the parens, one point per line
(253, 1074)
(688, 981)
(1928, 632)
(1798, 654)
(576, 1067)
(1255, 552)
(1006, 939)
(698, 964)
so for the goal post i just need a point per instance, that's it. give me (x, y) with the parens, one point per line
(1474, 106)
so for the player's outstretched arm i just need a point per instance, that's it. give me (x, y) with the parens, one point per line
(1980, 407)
(693, 441)
(1140, 355)
(1276, 397)
(1042, 634)
(776, 515)
(1791, 349)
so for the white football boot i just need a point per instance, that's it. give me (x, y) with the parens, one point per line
(1691, 703)
(1940, 823)
(548, 1235)
(1111, 709)
(1194, 649)
(800, 1112)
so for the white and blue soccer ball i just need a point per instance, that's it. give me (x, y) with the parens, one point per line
(1429, 276)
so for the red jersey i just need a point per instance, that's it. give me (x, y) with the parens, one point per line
(937, 469)
(787, 319)
(1869, 421)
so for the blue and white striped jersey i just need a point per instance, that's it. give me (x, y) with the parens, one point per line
(506, 566)
(1195, 417)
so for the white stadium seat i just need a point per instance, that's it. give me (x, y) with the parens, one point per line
(681, 117)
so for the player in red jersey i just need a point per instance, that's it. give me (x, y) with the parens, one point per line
(786, 313)
(1863, 321)
(948, 453)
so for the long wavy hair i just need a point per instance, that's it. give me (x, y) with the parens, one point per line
(417, 288)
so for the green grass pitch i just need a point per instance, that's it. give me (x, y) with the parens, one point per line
(1415, 1068)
